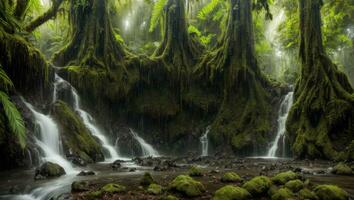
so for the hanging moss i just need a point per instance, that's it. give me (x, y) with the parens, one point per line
(76, 137)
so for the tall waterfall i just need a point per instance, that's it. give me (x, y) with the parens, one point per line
(146, 148)
(282, 117)
(49, 141)
(204, 140)
(88, 121)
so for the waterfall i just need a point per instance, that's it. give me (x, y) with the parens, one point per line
(88, 121)
(205, 143)
(49, 140)
(146, 148)
(282, 117)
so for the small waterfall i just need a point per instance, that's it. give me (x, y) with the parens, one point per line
(146, 148)
(88, 121)
(49, 141)
(282, 116)
(204, 140)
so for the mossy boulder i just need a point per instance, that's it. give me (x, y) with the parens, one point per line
(294, 185)
(147, 180)
(231, 193)
(169, 197)
(154, 189)
(108, 189)
(342, 169)
(187, 186)
(195, 171)
(330, 192)
(307, 194)
(77, 140)
(258, 185)
(49, 170)
(284, 177)
(231, 177)
(283, 194)
(80, 186)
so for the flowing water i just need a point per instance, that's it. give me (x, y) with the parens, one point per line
(146, 148)
(204, 140)
(88, 121)
(49, 141)
(282, 117)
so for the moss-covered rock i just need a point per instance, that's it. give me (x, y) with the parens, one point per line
(195, 171)
(187, 186)
(330, 192)
(258, 185)
(231, 193)
(283, 194)
(77, 139)
(79, 186)
(112, 188)
(154, 189)
(169, 197)
(48, 170)
(307, 194)
(231, 177)
(342, 169)
(284, 177)
(294, 185)
(147, 180)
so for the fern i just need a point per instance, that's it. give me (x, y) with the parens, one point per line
(206, 10)
(5, 81)
(15, 120)
(156, 14)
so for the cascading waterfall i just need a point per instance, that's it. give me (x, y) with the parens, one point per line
(88, 121)
(49, 141)
(204, 140)
(282, 117)
(146, 148)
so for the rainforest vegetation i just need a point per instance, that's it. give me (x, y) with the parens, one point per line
(203, 99)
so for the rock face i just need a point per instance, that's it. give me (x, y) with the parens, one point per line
(128, 145)
(49, 170)
(80, 146)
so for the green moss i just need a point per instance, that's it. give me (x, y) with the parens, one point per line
(112, 188)
(195, 171)
(283, 194)
(154, 189)
(76, 136)
(187, 186)
(147, 180)
(231, 193)
(258, 185)
(284, 177)
(231, 177)
(169, 197)
(294, 185)
(307, 194)
(330, 192)
(342, 169)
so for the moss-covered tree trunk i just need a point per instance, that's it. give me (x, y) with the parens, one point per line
(244, 119)
(321, 120)
(177, 48)
(93, 41)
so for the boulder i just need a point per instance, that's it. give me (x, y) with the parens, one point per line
(283, 194)
(147, 180)
(154, 189)
(294, 185)
(128, 145)
(342, 169)
(284, 177)
(195, 171)
(230, 177)
(86, 173)
(231, 193)
(307, 194)
(331, 192)
(49, 170)
(80, 186)
(187, 186)
(258, 185)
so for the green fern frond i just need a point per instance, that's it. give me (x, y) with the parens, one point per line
(5, 81)
(206, 10)
(156, 14)
(14, 118)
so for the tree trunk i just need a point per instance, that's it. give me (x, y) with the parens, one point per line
(321, 121)
(244, 119)
(20, 9)
(93, 40)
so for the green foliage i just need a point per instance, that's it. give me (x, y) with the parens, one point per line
(156, 14)
(14, 117)
(205, 40)
(208, 9)
(5, 82)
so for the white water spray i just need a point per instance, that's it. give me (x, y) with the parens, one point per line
(146, 148)
(49, 141)
(204, 140)
(282, 117)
